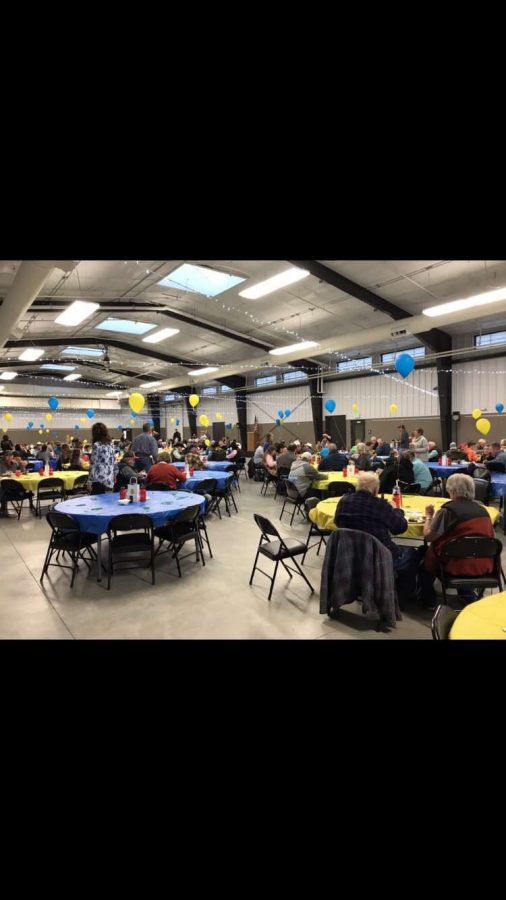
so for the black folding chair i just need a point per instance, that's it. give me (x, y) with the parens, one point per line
(51, 489)
(207, 486)
(293, 498)
(16, 494)
(277, 551)
(471, 548)
(79, 486)
(67, 537)
(183, 528)
(131, 534)
(410, 488)
(158, 486)
(314, 530)
(223, 494)
(441, 624)
(481, 489)
(269, 478)
(339, 488)
(281, 479)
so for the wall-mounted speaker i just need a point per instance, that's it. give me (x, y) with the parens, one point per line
(456, 416)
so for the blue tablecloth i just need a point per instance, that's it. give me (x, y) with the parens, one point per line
(35, 465)
(446, 471)
(216, 466)
(94, 513)
(220, 477)
(498, 484)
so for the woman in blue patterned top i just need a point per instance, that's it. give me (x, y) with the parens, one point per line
(102, 460)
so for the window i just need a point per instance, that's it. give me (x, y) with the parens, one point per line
(293, 376)
(225, 388)
(126, 326)
(267, 379)
(200, 280)
(82, 351)
(170, 397)
(415, 352)
(207, 391)
(350, 364)
(487, 340)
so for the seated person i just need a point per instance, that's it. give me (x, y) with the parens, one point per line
(362, 457)
(165, 473)
(434, 451)
(233, 451)
(76, 461)
(423, 475)
(126, 471)
(195, 461)
(469, 448)
(8, 463)
(177, 452)
(455, 454)
(398, 468)
(501, 456)
(365, 511)
(218, 453)
(334, 462)
(44, 454)
(383, 448)
(302, 473)
(287, 456)
(269, 460)
(8, 467)
(462, 516)
(20, 452)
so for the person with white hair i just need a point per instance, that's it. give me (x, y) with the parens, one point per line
(302, 473)
(462, 516)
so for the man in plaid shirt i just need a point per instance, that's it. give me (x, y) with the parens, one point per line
(365, 511)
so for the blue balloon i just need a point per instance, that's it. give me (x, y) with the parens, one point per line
(281, 414)
(134, 414)
(53, 403)
(76, 427)
(42, 425)
(288, 412)
(325, 452)
(120, 427)
(330, 405)
(404, 364)
(228, 425)
(30, 426)
(500, 408)
(178, 421)
(90, 413)
(278, 422)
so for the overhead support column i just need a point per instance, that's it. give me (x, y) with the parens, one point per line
(24, 289)
(308, 366)
(154, 410)
(236, 382)
(438, 342)
(192, 413)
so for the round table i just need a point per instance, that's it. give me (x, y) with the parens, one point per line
(201, 475)
(323, 514)
(446, 471)
(31, 481)
(497, 484)
(483, 620)
(217, 466)
(95, 513)
(322, 484)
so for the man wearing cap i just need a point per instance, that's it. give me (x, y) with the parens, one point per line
(455, 454)
(302, 473)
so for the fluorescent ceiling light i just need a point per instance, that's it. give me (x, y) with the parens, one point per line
(468, 303)
(127, 326)
(82, 351)
(274, 283)
(200, 280)
(57, 368)
(8, 376)
(77, 312)
(304, 345)
(73, 377)
(160, 335)
(30, 354)
(204, 371)
(115, 394)
(149, 384)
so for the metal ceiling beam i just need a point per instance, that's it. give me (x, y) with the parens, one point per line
(93, 342)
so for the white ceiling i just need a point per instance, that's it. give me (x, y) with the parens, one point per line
(310, 309)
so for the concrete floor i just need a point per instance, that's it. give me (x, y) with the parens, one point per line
(211, 602)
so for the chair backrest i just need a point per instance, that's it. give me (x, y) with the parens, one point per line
(311, 502)
(206, 486)
(481, 489)
(62, 522)
(410, 488)
(158, 486)
(292, 491)
(339, 488)
(481, 472)
(130, 522)
(441, 624)
(266, 527)
(283, 471)
(80, 480)
(50, 483)
(189, 514)
(471, 548)
(13, 490)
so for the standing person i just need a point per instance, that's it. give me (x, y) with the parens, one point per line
(267, 442)
(421, 446)
(101, 476)
(145, 448)
(403, 438)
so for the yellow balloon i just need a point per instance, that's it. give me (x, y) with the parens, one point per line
(82, 420)
(354, 407)
(219, 415)
(40, 431)
(204, 420)
(207, 442)
(476, 414)
(48, 417)
(172, 420)
(5, 430)
(194, 400)
(132, 421)
(136, 402)
(48, 430)
(8, 417)
(393, 407)
(483, 425)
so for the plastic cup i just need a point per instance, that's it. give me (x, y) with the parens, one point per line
(345, 472)
(18, 473)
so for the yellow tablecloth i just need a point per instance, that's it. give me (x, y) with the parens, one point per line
(31, 481)
(323, 514)
(85, 465)
(323, 483)
(483, 620)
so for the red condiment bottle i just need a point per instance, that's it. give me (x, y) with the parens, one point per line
(122, 493)
(142, 494)
(345, 472)
(191, 471)
(51, 470)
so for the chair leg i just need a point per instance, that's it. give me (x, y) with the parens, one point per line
(293, 514)
(204, 529)
(233, 501)
(286, 569)
(46, 561)
(74, 557)
(273, 579)
(254, 565)
(302, 573)
(109, 567)
(282, 511)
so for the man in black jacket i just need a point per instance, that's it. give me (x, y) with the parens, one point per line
(126, 471)
(334, 462)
